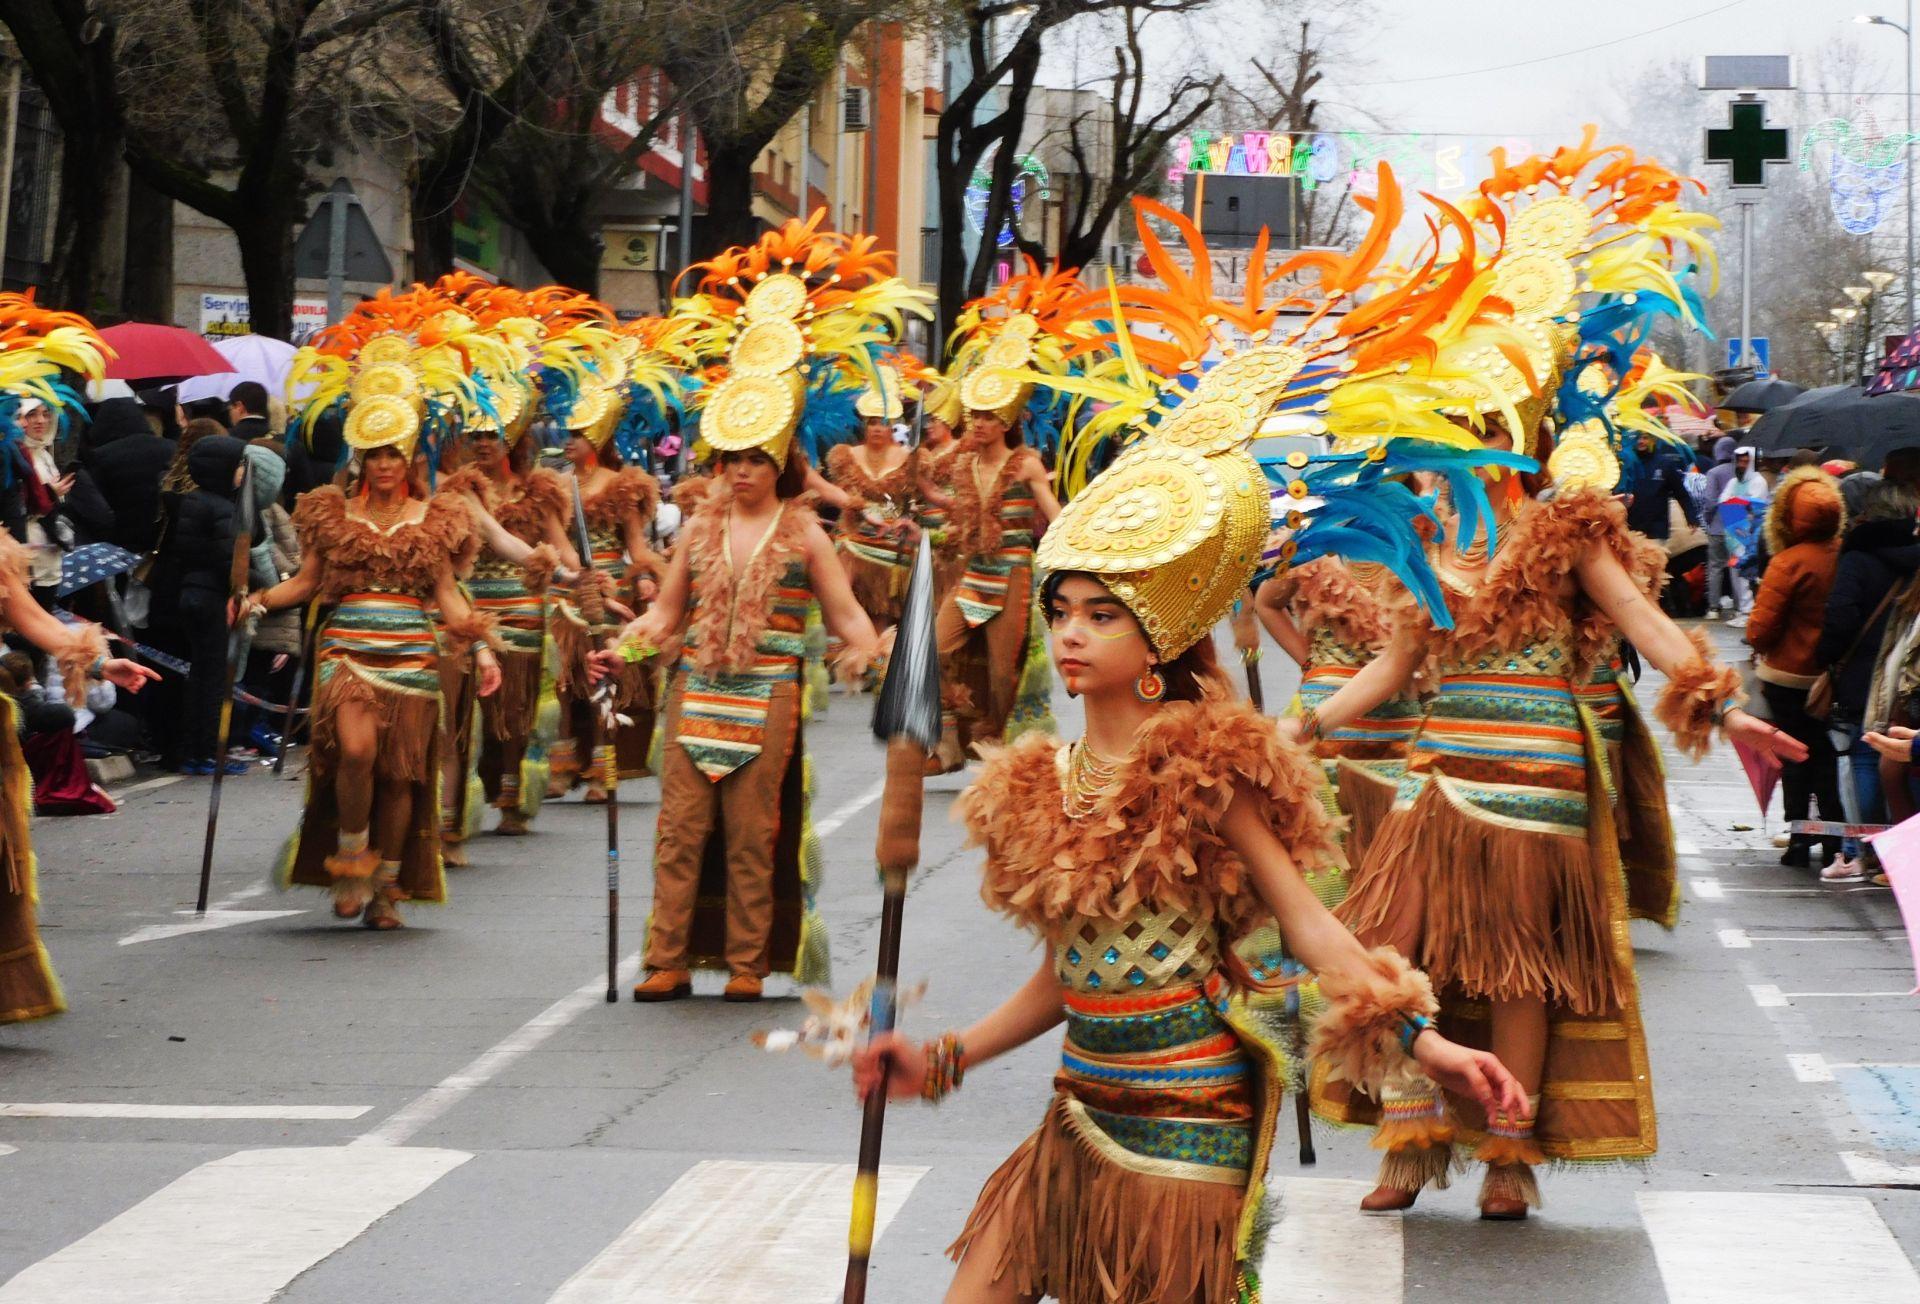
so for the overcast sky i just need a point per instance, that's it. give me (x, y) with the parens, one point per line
(1573, 64)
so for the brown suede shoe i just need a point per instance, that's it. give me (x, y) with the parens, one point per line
(664, 985)
(1387, 1199)
(742, 987)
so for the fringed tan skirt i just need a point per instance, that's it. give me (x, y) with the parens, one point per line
(1483, 869)
(1134, 1188)
(878, 573)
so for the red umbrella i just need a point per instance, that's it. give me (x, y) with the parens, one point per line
(149, 352)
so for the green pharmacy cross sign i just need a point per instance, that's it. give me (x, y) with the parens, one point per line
(1748, 144)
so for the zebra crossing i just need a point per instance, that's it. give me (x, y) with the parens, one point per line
(243, 1229)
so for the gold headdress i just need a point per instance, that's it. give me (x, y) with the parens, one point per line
(943, 404)
(1003, 338)
(882, 398)
(1175, 527)
(797, 314)
(402, 365)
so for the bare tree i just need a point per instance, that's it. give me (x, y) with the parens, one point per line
(1002, 70)
(1131, 140)
(744, 68)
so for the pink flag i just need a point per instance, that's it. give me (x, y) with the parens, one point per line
(1899, 851)
(1763, 772)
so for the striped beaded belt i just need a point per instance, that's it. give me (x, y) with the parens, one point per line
(520, 617)
(1510, 746)
(1159, 1082)
(385, 638)
(982, 592)
(723, 717)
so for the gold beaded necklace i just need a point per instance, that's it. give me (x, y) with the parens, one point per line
(1091, 777)
(382, 516)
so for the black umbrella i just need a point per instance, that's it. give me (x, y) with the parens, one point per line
(1762, 396)
(1841, 419)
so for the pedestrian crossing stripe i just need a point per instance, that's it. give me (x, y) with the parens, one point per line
(239, 1230)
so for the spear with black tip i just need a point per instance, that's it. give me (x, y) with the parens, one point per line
(907, 720)
(239, 635)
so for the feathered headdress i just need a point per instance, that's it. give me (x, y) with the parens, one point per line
(1176, 526)
(797, 319)
(39, 348)
(1029, 327)
(1591, 244)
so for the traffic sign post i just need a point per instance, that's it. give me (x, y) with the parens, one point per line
(1757, 354)
(1747, 145)
(338, 244)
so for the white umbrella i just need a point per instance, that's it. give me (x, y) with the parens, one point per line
(253, 357)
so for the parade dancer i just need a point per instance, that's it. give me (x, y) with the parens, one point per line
(1142, 854)
(617, 506)
(939, 446)
(987, 629)
(880, 478)
(1498, 868)
(379, 557)
(1332, 618)
(735, 865)
(531, 503)
(39, 346)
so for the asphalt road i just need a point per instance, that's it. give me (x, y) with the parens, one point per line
(272, 1105)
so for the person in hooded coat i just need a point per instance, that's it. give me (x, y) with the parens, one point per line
(199, 548)
(1880, 555)
(126, 461)
(1803, 533)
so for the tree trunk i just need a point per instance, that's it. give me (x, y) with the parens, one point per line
(729, 219)
(569, 249)
(146, 287)
(88, 158)
(266, 259)
(430, 202)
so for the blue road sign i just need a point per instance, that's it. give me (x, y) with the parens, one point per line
(1762, 355)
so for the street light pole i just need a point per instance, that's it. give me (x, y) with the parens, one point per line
(1906, 30)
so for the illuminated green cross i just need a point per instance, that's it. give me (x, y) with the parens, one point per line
(1749, 144)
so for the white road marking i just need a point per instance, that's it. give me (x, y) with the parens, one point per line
(1810, 1068)
(1766, 995)
(449, 1091)
(831, 824)
(728, 1231)
(1707, 889)
(1872, 1170)
(437, 1100)
(1328, 1252)
(1682, 847)
(103, 1109)
(1824, 937)
(1852, 996)
(9, 1150)
(148, 785)
(1735, 939)
(195, 923)
(1738, 1248)
(234, 1231)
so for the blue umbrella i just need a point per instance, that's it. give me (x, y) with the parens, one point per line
(92, 564)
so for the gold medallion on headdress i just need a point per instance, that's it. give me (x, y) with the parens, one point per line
(882, 399)
(382, 421)
(1584, 458)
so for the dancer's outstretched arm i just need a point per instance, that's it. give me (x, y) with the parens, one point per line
(1347, 970)
(1270, 605)
(1667, 646)
(1028, 1013)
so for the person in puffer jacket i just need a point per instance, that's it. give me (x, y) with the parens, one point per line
(1803, 534)
(199, 550)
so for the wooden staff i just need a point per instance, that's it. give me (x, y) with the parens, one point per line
(907, 720)
(237, 640)
(593, 611)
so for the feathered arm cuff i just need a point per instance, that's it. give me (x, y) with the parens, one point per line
(76, 660)
(1360, 1035)
(474, 627)
(536, 572)
(1696, 697)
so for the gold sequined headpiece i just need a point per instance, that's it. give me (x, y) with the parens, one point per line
(882, 399)
(1007, 342)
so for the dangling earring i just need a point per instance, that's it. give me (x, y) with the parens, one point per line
(1150, 687)
(1515, 490)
